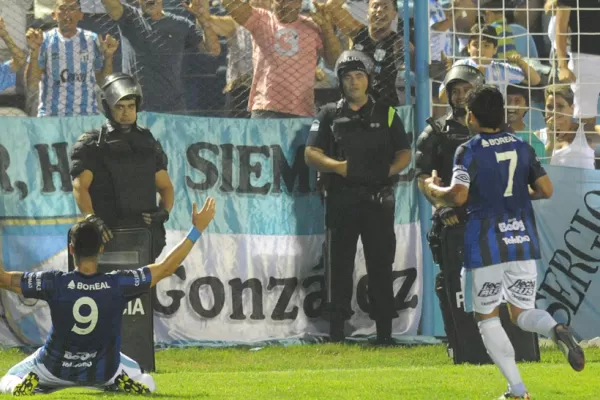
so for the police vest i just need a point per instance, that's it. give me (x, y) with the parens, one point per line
(453, 135)
(364, 140)
(128, 167)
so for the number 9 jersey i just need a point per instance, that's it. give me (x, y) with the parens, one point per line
(87, 310)
(498, 169)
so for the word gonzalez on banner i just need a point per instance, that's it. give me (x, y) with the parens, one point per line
(572, 270)
(312, 296)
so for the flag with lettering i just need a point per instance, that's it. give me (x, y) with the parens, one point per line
(257, 273)
(569, 230)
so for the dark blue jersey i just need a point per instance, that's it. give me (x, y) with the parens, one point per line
(84, 342)
(498, 169)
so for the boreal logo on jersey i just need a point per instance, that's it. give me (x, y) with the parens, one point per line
(29, 319)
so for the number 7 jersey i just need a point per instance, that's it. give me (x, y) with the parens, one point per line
(498, 169)
(84, 343)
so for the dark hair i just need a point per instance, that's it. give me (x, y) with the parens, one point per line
(86, 240)
(563, 91)
(486, 32)
(394, 2)
(487, 105)
(512, 90)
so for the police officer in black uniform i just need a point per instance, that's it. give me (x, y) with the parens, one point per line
(118, 169)
(436, 147)
(358, 145)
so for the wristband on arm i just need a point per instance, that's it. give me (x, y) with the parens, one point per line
(194, 234)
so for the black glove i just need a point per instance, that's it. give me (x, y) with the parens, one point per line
(102, 227)
(448, 216)
(156, 217)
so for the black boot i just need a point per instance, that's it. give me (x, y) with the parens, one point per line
(384, 332)
(336, 330)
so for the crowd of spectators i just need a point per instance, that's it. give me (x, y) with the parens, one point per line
(275, 58)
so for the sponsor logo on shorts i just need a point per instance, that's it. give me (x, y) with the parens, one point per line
(523, 287)
(490, 289)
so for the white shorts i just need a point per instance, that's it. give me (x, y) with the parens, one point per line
(50, 383)
(485, 287)
(587, 86)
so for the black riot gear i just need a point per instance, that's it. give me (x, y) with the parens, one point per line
(462, 73)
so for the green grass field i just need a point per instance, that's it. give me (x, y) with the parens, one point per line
(328, 371)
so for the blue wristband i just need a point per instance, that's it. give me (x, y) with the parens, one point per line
(194, 234)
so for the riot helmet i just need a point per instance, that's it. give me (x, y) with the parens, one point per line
(462, 73)
(353, 60)
(115, 88)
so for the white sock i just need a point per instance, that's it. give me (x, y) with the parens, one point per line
(8, 383)
(537, 321)
(502, 353)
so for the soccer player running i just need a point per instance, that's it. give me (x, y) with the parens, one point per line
(86, 306)
(497, 175)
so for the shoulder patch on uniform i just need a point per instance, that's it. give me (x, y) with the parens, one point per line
(315, 126)
(391, 113)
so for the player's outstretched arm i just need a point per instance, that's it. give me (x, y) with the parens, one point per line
(10, 281)
(200, 220)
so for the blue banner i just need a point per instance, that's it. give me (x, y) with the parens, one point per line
(254, 168)
(569, 230)
(269, 225)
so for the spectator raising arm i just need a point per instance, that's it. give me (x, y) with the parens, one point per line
(114, 8)
(343, 19)
(223, 26)
(108, 47)
(532, 77)
(18, 56)
(33, 71)
(332, 48)
(240, 11)
(562, 36)
(201, 10)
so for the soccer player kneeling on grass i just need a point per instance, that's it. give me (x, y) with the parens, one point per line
(497, 175)
(86, 306)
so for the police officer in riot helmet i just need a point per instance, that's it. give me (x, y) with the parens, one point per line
(436, 147)
(118, 169)
(438, 142)
(358, 145)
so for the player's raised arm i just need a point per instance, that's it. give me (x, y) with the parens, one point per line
(200, 220)
(10, 280)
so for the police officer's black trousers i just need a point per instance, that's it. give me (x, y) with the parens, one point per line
(369, 215)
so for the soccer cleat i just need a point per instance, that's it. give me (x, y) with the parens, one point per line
(509, 395)
(128, 385)
(570, 348)
(27, 385)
